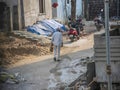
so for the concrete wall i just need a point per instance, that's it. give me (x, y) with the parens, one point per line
(48, 9)
(31, 11)
(54, 10)
(9, 17)
(10, 2)
(27, 14)
(100, 56)
(60, 12)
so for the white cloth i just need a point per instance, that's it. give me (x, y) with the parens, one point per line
(57, 38)
(57, 41)
(57, 52)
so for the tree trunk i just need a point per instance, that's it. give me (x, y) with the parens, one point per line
(66, 16)
(73, 10)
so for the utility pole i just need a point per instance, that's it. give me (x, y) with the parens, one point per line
(66, 21)
(73, 10)
(108, 67)
(83, 9)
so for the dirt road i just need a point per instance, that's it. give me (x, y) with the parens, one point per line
(69, 47)
(38, 72)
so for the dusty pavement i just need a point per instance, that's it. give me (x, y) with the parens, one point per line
(37, 74)
(43, 73)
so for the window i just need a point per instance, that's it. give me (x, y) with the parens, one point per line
(42, 6)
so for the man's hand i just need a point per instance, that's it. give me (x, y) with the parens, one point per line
(51, 47)
(62, 44)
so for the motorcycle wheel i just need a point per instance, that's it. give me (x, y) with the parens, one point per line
(72, 39)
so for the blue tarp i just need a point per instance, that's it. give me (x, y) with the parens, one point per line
(45, 27)
(54, 24)
(37, 30)
(60, 25)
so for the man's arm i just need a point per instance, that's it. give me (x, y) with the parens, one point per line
(61, 40)
(52, 39)
(51, 44)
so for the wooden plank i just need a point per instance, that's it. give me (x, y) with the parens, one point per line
(102, 40)
(104, 54)
(99, 58)
(112, 42)
(113, 50)
(101, 46)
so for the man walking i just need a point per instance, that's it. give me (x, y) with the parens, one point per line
(57, 42)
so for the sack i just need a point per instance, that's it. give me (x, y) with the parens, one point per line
(51, 48)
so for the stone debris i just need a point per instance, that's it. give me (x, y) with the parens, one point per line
(40, 39)
(10, 78)
(86, 60)
(84, 88)
(70, 71)
(14, 48)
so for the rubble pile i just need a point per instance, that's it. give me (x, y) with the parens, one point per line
(13, 48)
(68, 73)
(11, 78)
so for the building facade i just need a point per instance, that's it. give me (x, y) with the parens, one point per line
(95, 7)
(18, 14)
(64, 9)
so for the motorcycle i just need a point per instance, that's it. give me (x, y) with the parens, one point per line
(73, 35)
(78, 27)
(98, 23)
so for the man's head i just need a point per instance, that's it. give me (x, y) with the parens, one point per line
(58, 29)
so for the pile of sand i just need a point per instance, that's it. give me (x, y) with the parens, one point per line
(13, 49)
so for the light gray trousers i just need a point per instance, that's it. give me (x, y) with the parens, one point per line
(57, 51)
